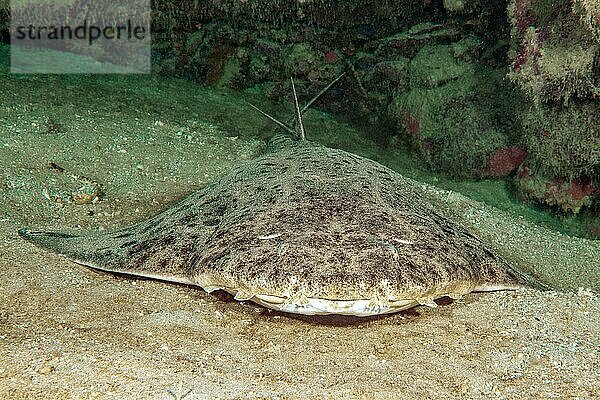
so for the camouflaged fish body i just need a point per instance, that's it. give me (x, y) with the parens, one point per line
(303, 229)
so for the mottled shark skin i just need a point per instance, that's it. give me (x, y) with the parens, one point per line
(303, 229)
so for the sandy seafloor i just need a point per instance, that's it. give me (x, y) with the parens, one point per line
(69, 332)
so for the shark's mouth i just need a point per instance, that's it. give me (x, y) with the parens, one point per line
(316, 306)
(354, 307)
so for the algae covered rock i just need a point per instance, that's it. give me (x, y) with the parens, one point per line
(437, 65)
(556, 72)
(564, 141)
(554, 52)
(300, 59)
(454, 6)
(409, 43)
(454, 115)
(242, 43)
(589, 12)
(555, 55)
(562, 168)
(567, 195)
(389, 76)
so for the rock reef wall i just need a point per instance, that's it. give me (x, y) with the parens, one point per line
(399, 57)
(555, 61)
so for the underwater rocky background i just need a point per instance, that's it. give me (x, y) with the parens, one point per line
(477, 89)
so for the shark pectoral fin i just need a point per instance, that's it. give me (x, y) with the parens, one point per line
(73, 246)
(141, 274)
(108, 251)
